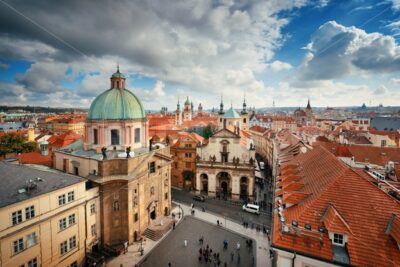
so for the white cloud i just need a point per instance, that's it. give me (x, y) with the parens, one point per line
(395, 4)
(279, 66)
(336, 51)
(382, 90)
(216, 47)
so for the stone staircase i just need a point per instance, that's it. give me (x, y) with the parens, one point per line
(157, 230)
(153, 234)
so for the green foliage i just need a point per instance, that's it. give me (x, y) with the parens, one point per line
(208, 130)
(15, 143)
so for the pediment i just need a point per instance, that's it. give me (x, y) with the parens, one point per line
(225, 133)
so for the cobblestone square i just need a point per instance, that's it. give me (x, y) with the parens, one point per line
(172, 248)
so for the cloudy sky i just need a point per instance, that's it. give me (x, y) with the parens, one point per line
(337, 53)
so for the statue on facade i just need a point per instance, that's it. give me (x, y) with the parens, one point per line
(128, 151)
(103, 151)
(251, 161)
(198, 157)
(151, 144)
(167, 141)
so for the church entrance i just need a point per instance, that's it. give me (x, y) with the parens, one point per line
(224, 187)
(223, 183)
(152, 212)
(153, 215)
(243, 188)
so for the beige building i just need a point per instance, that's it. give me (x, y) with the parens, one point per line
(225, 166)
(64, 125)
(133, 176)
(47, 218)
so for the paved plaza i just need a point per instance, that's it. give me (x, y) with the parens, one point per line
(172, 248)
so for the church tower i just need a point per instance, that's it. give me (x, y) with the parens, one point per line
(244, 114)
(178, 114)
(200, 108)
(187, 110)
(221, 114)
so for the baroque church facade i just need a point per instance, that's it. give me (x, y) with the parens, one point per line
(116, 155)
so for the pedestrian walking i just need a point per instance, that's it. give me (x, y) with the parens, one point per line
(185, 243)
(125, 247)
(232, 255)
(225, 244)
(217, 222)
(169, 264)
(225, 264)
(173, 226)
(238, 246)
(238, 258)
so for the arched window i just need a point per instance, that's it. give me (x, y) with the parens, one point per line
(152, 191)
(95, 137)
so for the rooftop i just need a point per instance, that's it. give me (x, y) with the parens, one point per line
(340, 200)
(14, 178)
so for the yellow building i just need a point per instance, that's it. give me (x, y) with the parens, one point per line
(42, 217)
(69, 124)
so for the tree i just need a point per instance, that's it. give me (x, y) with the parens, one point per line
(15, 143)
(208, 131)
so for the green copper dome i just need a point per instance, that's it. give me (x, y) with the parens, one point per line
(116, 104)
(231, 114)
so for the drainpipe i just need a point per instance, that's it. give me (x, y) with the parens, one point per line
(294, 258)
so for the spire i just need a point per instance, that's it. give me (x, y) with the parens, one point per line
(244, 104)
(308, 104)
(178, 106)
(221, 106)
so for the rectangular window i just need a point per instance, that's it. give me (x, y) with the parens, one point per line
(62, 223)
(18, 245)
(137, 135)
(63, 247)
(383, 143)
(29, 212)
(92, 208)
(114, 137)
(31, 240)
(166, 196)
(16, 217)
(71, 219)
(338, 239)
(71, 196)
(136, 217)
(32, 263)
(152, 167)
(95, 137)
(61, 200)
(93, 228)
(72, 242)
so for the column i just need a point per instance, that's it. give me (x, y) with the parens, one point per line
(251, 187)
(211, 185)
(235, 188)
(198, 183)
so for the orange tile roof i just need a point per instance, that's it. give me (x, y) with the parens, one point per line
(367, 154)
(35, 158)
(393, 228)
(359, 206)
(63, 140)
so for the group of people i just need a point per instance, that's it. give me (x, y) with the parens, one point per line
(206, 254)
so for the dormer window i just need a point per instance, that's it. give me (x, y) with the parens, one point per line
(338, 239)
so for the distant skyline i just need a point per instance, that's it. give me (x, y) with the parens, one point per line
(336, 53)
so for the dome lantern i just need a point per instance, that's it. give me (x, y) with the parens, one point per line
(118, 80)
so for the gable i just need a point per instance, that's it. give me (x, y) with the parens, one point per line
(225, 133)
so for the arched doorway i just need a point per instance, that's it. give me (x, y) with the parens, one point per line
(243, 188)
(152, 211)
(223, 185)
(188, 179)
(204, 183)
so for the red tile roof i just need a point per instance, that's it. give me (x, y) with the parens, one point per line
(367, 154)
(350, 203)
(35, 158)
(63, 140)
